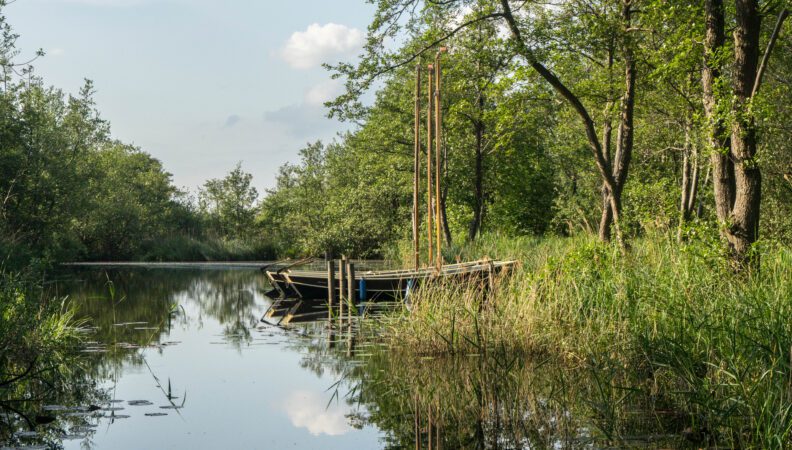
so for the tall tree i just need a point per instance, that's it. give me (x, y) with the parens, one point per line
(737, 174)
(230, 202)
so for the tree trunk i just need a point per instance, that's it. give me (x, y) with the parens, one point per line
(744, 229)
(591, 133)
(444, 198)
(690, 171)
(624, 139)
(722, 167)
(444, 217)
(606, 220)
(736, 175)
(478, 204)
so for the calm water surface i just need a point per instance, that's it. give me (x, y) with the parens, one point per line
(180, 359)
(188, 350)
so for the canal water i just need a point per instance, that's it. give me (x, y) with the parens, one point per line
(179, 358)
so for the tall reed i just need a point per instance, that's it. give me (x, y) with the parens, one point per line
(714, 345)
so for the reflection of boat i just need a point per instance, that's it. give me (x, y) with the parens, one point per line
(375, 285)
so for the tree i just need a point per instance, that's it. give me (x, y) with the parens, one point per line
(737, 175)
(229, 203)
(386, 24)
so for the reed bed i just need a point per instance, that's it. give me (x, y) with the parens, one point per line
(715, 346)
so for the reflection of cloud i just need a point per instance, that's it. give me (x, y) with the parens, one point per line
(318, 43)
(56, 52)
(308, 410)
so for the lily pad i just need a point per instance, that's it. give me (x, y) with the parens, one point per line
(140, 403)
(26, 434)
(54, 408)
(26, 447)
(71, 437)
(157, 414)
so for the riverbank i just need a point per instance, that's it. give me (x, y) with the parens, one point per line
(706, 343)
(39, 343)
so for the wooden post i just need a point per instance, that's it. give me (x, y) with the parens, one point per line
(417, 424)
(341, 286)
(350, 288)
(330, 286)
(438, 143)
(429, 202)
(429, 428)
(417, 166)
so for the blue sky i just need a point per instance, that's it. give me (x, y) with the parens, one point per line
(200, 84)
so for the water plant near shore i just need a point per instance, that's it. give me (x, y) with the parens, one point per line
(717, 348)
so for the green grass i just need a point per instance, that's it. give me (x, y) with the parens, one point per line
(184, 248)
(39, 335)
(714, 345)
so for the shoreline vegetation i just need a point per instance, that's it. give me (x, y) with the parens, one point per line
(668, 326)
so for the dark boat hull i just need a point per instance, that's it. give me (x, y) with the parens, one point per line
(313, 287)
(377, 286)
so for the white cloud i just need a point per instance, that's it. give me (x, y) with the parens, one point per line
(307, 410)
(320, 43)
(318, 94)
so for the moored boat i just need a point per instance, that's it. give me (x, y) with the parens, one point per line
(381, 285)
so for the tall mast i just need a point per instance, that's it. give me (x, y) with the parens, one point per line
(429, 200)
(438, 143)
(417, 167)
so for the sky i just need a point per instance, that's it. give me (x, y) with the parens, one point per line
(200, 84)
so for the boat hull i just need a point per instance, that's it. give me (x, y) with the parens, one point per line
(392, 285)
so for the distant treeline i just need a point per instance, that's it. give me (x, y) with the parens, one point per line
(517, 158)
(69, 191)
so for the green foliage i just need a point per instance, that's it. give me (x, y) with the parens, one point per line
(229, 203)
(34, 328)
(337, 199)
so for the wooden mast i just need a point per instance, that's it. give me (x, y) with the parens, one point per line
(417, 167)
(438, 127)
(429, 200)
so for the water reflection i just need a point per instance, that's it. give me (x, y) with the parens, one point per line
(310, 410)
(494, 400)
(180, 359)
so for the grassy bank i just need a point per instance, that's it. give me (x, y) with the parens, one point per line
(715, 346)
(185, 248)
(40, 363)
(38, 334)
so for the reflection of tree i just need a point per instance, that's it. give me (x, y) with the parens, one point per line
(495, 400)
(22, 403)
(229, 300)
(129, 309)
(151, 300)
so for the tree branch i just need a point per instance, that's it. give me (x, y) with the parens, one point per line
(770, 44)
